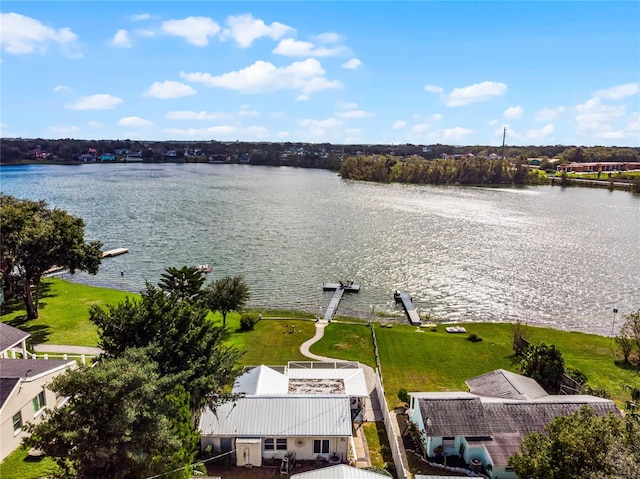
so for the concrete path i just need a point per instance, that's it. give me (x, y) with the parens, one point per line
(64, 349)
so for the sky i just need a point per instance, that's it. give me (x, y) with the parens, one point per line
(365, 72)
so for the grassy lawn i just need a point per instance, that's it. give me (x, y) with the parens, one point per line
(63, 313)
(378, 444)
(346, 341)
(18, 465)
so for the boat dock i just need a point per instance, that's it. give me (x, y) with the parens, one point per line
(407, 302)
(339, 288)
(114, 252)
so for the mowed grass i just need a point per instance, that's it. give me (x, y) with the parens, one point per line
(19, 465)
(351, 342)
(63, 313)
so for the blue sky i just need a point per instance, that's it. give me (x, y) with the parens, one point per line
(340, 72)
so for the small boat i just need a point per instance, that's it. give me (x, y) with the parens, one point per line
(204, 268)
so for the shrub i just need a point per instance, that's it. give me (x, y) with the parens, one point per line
(474, 338)
(248, 321)
(403, 395)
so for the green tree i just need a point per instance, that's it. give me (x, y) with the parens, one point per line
(544, 363)
(626, 341)
(226, 295)
(36, 239)
(122, 420)
(184, 284)
(580, 446)
(186, 345)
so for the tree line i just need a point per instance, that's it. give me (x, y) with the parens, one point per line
(465, 171)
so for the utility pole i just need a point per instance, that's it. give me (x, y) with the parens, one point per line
(504, 138)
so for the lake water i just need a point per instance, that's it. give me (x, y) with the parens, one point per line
(543, 255)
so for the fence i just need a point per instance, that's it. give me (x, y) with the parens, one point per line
(391, 426)
(17, 354)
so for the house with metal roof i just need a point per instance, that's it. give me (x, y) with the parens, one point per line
(24, 396)
(340, 471)
(486, 426)
(277, 426)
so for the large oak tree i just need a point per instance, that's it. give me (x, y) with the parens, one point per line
(36, 239)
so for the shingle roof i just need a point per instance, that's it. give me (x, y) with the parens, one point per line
(286, 415)
(30, 368)
(505, 384)
(498, 424)
(6, 388)
(10, 337)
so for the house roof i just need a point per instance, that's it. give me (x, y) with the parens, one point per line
(287, 415)
(6, 388)
(500, 424)
(10, 337)
(341, 471)
(330, 378)
(505, 384)
(29, 369)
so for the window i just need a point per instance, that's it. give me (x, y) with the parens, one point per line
(448, 441)
(321, 446)
(279, 444)
(38, 402)
(17, 423)
(225, 444)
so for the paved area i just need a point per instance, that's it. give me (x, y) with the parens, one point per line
(64, 349)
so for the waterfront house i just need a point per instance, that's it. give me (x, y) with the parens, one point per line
(13, 341)
(340, 471)
(486, 426)
(107, 157)
(24, 396)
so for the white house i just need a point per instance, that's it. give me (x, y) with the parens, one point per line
(486, 426)
(24, 396)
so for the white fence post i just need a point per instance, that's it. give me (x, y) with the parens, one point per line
(83, 359)
(46, 356)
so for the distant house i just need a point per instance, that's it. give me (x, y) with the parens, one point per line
(41, 154)
(122, 152)
(596, 167)
(304, 408)
(133, 156)
(108, 157)
(486, 426)
(170, 155)
(87, 157)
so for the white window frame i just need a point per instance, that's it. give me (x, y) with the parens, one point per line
(17, 425)
(39, 403)
(321, 446)
(275, 443)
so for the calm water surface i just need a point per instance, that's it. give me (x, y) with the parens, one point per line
(545, 255)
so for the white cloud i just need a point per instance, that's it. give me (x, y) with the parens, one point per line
(342, 105)
(328, 37)
(94, 124)
(121, 39)
(436, 117)
(456, 134)
(62, 88)
(327, 123)
(295, 48)
(169, 89)
(313, 129)
(20, 35)
(398, 124)
(244, 29)
(492, 122)
(196, 115)
(144, 32)
(140, 17)
(352, 64)
(63, 130)
(420, 128)
(541, 133)
(513, 112)
(546, 114)
(475, 93)
(594, 116)
(196, 30)
(355, 114)
(433, 89)
(283, 134)
(618, 92)
(100, 101)
(135, 121)
(308, 76)
(220, 131)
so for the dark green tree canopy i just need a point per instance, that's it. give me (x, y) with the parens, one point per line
(226, 295)
(36, 239)
(187, 345)
(122, 420)
(581, 446)
(544, 363)
(183, 284)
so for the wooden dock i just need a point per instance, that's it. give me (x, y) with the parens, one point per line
(114, 252)
(407, 302)
(340, 289)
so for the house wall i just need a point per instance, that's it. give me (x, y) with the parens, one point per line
(21, 400)
(302, 446)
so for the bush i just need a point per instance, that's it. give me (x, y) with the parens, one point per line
(248, 321)
(403, 395)
(474, 338)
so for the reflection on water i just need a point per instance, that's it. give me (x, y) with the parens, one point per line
(544, 255)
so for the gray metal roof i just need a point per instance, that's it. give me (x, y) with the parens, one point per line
(341, 471)
(10, 337)
(505, 384)
(282, 416)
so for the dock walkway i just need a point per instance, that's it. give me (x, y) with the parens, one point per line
(339, 288)
(407, 302)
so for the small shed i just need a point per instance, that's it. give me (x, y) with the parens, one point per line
(249, 451)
